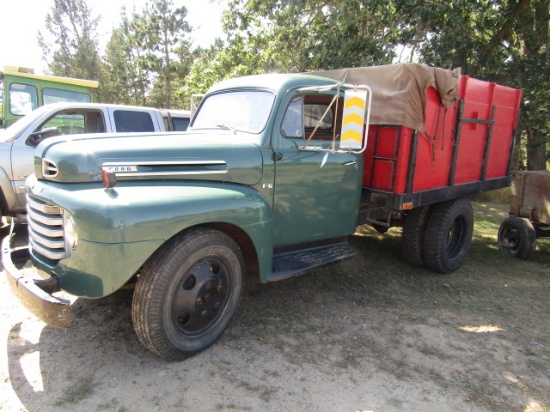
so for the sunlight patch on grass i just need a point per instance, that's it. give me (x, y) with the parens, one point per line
(534, 406)
(487, 232)
(481, 329)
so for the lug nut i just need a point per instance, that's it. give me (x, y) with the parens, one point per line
(217, 306)
(204, 314)
(199, 301)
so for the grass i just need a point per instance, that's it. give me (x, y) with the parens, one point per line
(501, 196)
(81, 389)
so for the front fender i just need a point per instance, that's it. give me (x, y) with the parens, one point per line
(119, 229)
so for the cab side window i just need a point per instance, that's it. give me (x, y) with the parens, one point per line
(293, 121)
(308, 114)
(65, 123)
(61, 123)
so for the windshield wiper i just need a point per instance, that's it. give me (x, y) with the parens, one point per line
(221, 126)
(226, 127)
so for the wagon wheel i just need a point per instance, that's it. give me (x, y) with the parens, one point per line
(517, 237)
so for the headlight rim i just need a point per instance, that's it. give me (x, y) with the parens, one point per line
(70, 235)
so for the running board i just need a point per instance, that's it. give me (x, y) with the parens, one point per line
(298, 262)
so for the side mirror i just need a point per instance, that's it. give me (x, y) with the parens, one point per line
(36, 137)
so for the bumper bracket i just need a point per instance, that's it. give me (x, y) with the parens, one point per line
(35, 294)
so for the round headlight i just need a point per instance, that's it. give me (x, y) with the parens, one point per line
(69, 234)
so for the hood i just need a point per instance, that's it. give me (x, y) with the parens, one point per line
(161, 156)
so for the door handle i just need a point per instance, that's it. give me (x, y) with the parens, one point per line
(350, 163)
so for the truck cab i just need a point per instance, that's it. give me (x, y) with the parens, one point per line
(259, 177)
(305, 180)
(22, 91)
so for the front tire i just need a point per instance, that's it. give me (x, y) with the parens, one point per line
(448, 235)
(517, 237)
(187, 293)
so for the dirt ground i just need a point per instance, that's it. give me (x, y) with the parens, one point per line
(370, 334)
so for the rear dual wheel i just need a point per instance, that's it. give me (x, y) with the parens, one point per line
(439, 236)
(413, 235)
(187, 293)
(448, 235)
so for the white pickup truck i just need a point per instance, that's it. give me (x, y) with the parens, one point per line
(17, 142)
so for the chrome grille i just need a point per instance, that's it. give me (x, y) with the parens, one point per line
(45, 228)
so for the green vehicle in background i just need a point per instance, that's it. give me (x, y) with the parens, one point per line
(22, 91)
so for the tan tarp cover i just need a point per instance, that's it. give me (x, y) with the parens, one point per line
(399, 90)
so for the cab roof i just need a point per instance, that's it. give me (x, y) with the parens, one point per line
(273, 81)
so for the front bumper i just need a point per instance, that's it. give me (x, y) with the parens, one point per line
(35, 294)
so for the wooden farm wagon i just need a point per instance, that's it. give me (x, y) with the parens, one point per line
(529, 214)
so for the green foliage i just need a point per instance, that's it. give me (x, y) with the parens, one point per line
(127, 83)
(302, 35)
(296, 36)
(146, 59)
(148, 55)
(74, 50)
(129, 80)
(161, 31)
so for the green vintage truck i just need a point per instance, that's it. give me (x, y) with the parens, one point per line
(275, 173)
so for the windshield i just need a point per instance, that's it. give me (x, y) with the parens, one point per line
(243, 111)
(15, 129)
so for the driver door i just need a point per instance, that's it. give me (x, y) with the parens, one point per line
(317, 192)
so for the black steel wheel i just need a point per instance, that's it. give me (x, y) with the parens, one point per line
(187, 293)
(448, 235)
(517, 237)
(413, 235)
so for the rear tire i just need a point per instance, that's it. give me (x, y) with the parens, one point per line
(448, 235)
(517, 237)
(187, 293)
(413, 235)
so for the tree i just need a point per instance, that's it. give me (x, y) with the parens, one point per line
(129, 81)
(300, 35)
(163, 32)
(148, 55)
(74, 49)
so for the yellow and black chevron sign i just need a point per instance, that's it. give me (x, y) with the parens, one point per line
(354, 117)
